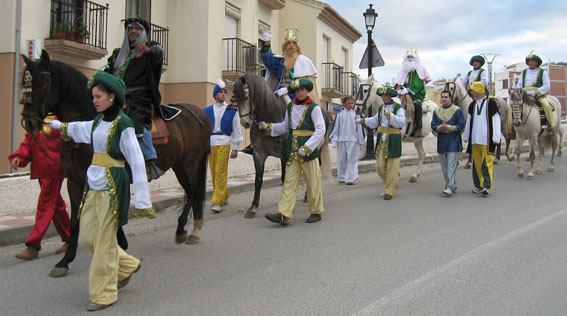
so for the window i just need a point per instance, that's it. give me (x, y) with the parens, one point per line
(139, 8)
(232, 21)
(345, 58)
(505, 84)
(326, 45)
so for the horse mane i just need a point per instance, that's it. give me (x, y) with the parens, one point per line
(73, 86)
(265, 104)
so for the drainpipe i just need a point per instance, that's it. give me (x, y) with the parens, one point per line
(16, 106)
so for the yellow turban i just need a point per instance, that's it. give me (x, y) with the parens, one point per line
(477, 87)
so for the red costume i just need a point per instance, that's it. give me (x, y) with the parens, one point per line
(46, 167)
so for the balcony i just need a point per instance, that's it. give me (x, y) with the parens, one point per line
(273, 4)
(78, 29)
(333, 80)
(241, 58)
(352, 82)
(160, 35)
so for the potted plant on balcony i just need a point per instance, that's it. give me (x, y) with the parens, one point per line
(61, 30)
(81, 32)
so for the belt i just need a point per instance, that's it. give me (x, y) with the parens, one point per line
(302, 132)
(104, 160)
(388, 130)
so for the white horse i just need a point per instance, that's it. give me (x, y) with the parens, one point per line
(367, 97)
(528, 127)
(462, 99)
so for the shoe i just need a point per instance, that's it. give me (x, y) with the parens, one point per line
(93, 307)
(248, 150)
(63, 249)
(341, 181)
(387, 197)
(124, 282)
(313, 218)
(477, 190)
(485, 191)
(216, 208)
(277, 218)
(350, 183)
(448, 192)
(30, 253)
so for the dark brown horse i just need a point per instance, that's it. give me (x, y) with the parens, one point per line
(55, 87)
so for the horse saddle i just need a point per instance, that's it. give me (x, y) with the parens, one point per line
(160, 134)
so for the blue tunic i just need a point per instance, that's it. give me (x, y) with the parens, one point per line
(448, 142)
(276, 66)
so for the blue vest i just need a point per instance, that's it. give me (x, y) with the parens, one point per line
(226, 121)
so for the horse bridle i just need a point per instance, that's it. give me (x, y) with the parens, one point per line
(43, 106)
(360, 90)
(447, 88)
(521, 106)
(250, 111)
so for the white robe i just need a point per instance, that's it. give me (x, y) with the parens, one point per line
(479, 134)
(349, 137)
(130, 148)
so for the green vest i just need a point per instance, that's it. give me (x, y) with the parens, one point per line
(539, 79)
(306, 123)
(117, 178)
(477, 75)
(394, 141)
(416, 86)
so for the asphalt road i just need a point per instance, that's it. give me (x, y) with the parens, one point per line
(419, 254)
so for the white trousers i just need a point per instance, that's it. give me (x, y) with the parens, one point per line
(347, 161)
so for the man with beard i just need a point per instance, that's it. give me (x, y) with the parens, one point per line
(411, 81)
(283, 69)
(138, 63)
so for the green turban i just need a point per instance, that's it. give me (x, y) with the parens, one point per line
(295, 84)
(534, 57)
(115, 84)
(387, 90)
(478, 58)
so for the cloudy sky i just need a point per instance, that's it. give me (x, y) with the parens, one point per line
(448, 32)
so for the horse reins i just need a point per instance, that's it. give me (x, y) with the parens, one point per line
(367, 95)
(447, 85)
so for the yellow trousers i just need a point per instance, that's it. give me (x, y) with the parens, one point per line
(218, 163)
(388, 170)
(547, 108)
(312, 174)
(482, 166)
(110, 263)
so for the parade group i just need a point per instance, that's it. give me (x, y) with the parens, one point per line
(132, 76)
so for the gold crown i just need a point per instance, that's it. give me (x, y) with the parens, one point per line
(291, 34)
(411, 51)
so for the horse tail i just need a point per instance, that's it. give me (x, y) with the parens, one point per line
(325, 161)
(200, 193)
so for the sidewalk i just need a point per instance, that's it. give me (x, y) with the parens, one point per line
(19, 195)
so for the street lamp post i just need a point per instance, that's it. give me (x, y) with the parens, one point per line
(370, 18)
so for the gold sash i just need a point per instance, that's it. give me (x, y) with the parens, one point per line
(301, 132)
(104, 160)
(388, 130)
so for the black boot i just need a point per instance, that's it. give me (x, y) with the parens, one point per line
(248, 150)
(152, 170)
(417, 119)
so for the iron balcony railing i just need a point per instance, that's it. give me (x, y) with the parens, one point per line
(160, 35)
(241, 57)
(351, 84)
(333, 78)
(80, 21)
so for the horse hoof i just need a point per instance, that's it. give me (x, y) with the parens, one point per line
(413, 179)
(250, 214)
(467, 166)
(495, 162)
(305, 200)
(511, 158)
(539, 171)
(181, 238)
(520, 175)
(530, 177)
(192, 240)
(550, 169)
(58, 272)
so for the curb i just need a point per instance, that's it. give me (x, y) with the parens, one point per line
(19, 234)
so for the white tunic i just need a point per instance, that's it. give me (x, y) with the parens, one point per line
(130, 148)
(531, 77)
(346, 130)
(397, 120)
(472, 78)
(479, 133)
(221, 140)
(297, 111)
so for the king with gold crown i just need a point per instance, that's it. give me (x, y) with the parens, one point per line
(283, 69)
